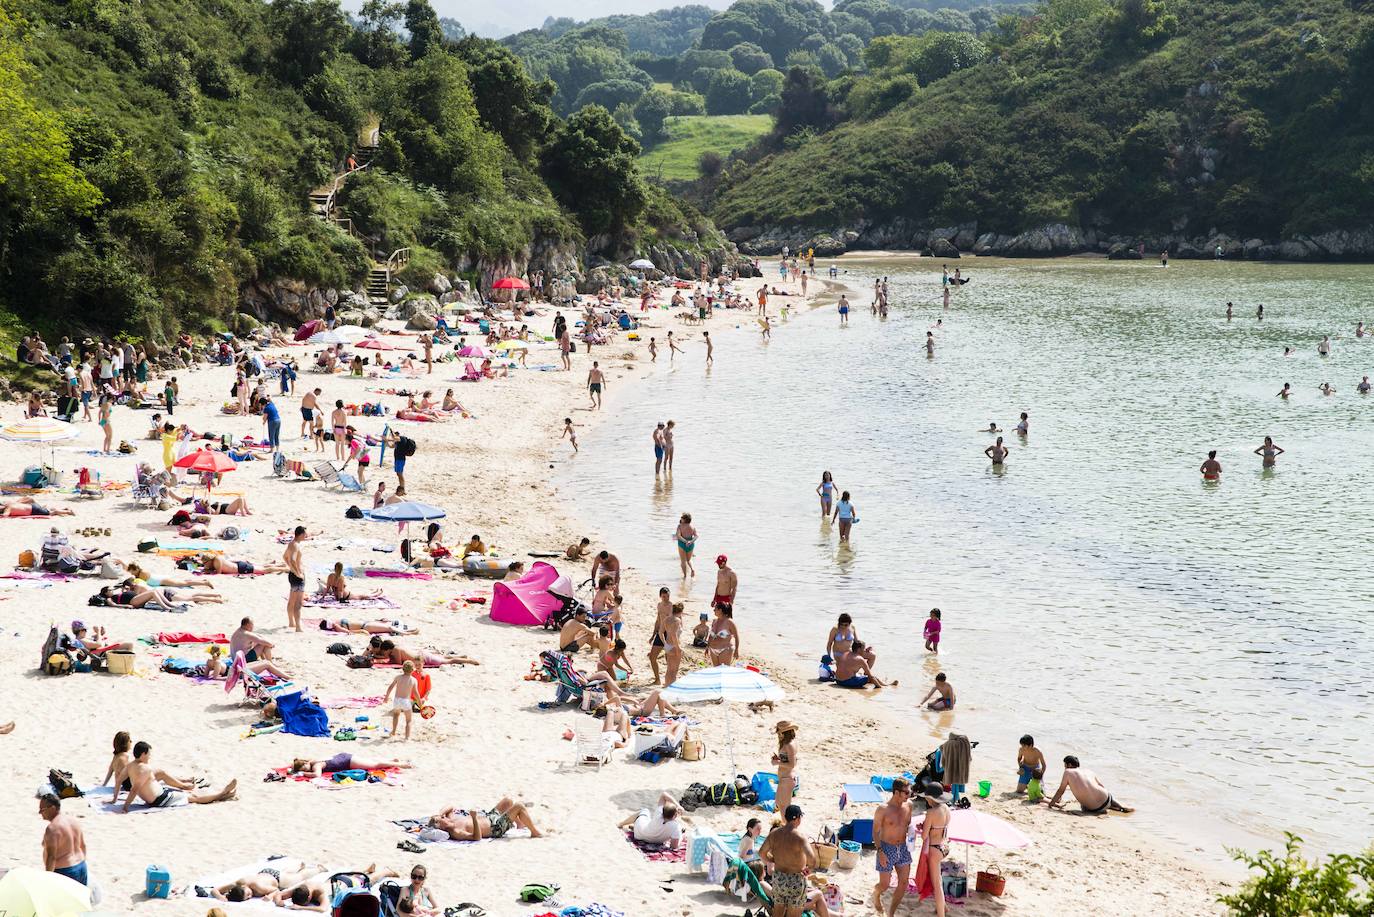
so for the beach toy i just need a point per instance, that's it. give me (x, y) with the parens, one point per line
(984, 788)
(360, 719)
(1034, 792)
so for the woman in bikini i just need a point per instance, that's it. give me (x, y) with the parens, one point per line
(388, 651)
(25, 506)
(786, 761)
(389, 628)
(336, 584)
(935, 840)
(235, 507)
(143, 576)
(826, 489)
(614, 658)
(842, 637)
(265, 882)
(450, 403)
(686, 542)
(339, 421)
(723, 645)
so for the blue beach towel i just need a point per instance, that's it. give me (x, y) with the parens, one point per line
(302, 717)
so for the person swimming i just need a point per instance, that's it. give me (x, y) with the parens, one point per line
(1211, 468)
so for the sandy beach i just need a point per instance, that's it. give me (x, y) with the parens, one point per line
(489, 738)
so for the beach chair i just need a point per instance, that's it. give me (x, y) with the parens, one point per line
(143, 493)
(471, 373)
(331, 476)
(593, 748)
(571, 683)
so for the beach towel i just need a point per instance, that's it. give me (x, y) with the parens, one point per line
(397, 574)
(657, 853)
(210, 882)
(302, 716)
(328, 601)
(181, 636)
(419, 830)
(354, 702)
(388, 776)
(957, 755)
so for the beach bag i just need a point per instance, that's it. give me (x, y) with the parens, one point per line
(145, 547)
(692, 750)
(536, 892)
(360, 662)
(27, 559)
(389, 891)
(693, 797)
(339, 649)
(353, 513)
(991, 883)
(63, 787)
(57, 664)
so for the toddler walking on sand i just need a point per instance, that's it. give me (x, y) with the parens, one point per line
(402, 686)
(932, 631)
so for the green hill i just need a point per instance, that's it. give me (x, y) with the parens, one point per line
(1253, 119)
(689, 136)
(157, 159)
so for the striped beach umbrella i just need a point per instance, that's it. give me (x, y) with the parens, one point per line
(38, 430)
(724, 683)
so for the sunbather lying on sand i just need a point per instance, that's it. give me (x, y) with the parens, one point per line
(138, 573)
(343, 761)
(464, 825)
(387, 651)
(313, 893)
(345, 626)
(265, 882)
(215, 563)
(25, 506)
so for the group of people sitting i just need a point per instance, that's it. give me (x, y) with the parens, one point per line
(136, 779)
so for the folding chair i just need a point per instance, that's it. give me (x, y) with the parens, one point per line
(593, 748)
(331, 476)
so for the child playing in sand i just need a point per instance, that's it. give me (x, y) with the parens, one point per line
(932, 631)
(402, 686)
(944, 689)
(569, 433)
(701, 631)
(1030, 765)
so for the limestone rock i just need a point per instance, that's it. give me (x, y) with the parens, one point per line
(398, 292)
(439, 285)
(1120, 251)
(421, 321)
(943, 248)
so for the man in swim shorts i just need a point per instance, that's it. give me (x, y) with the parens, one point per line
(64, 846)
(147, 784)
(576, 634)
(496, 822)
(245, 641)
(1087, 788)
(727, 583)
(790, 854)
(295, 578)
(310, 403)
(853, 670)
(890, 825)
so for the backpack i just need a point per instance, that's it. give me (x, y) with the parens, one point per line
(359, 662)
(405, 447)
(340, 649)
(353, 513)
(62, 785)
(536, 892)
(389, 891)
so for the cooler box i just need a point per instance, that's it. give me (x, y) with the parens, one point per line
(860, 831)
(159, 882)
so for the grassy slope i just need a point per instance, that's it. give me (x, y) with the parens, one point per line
(691, 135)
(1041, 135)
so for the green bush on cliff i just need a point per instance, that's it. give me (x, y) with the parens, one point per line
(1143, 115)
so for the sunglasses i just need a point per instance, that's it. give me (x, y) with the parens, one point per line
(418, 876)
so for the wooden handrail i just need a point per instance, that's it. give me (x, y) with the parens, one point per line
(398, 259)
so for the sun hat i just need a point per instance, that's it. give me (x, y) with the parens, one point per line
(720, 559)
(785, 726)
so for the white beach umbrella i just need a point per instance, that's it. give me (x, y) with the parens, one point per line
(723, 683)
(642, 264)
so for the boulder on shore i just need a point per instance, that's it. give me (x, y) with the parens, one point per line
(1120, 251)
(943, 248)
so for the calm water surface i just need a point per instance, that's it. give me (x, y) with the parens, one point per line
(1205, 647)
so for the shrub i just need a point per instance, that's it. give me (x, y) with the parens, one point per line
(1288, 885)
(729, 93)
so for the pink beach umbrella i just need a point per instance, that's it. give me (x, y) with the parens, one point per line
(970, 826)
(472, 350)
(373, 344)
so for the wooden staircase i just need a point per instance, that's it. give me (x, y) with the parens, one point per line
(378, 286)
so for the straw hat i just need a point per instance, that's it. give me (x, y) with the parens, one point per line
(784, 726)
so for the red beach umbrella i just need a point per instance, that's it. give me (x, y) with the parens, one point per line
(510, 283)
(373, 344)
(205, 460)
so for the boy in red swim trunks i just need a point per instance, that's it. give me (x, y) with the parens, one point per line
(727, 583)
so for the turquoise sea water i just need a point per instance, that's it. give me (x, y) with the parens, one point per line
(1204, 646)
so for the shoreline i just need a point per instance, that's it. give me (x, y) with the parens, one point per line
(921, 734)
(496, 474)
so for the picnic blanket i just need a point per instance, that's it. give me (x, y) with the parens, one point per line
(657, 853)
(180, 636)
(328, 601)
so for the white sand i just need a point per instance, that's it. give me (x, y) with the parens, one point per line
(489, 739)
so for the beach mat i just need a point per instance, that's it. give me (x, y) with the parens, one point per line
(412, 827)
(657, 853)
(328, 601)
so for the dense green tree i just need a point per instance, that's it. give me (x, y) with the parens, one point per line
(938, 54)
(423, 25)
(764, 84)
(590, 165)
(777, 26)
(509, 102)
(309, 35)
(609, 94)
(729, 93)
(749, 58)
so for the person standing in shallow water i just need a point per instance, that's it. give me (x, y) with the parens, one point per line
(686, 536)
(658, 448)
(826, 490)
(667, 438)
(1211, 468)
(1269, 452)
(847, 516)
(997, 452)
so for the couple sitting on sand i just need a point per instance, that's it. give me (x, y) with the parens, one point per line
(139, 780)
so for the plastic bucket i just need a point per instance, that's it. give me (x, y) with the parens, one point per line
(984, 788)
